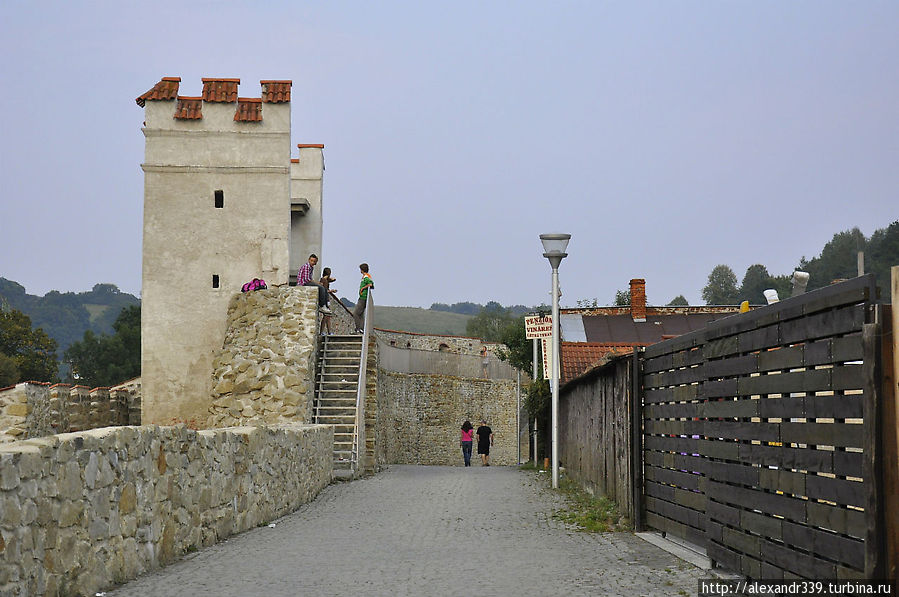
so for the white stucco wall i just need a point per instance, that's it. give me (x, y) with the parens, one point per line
(187, 240)
(306, 176)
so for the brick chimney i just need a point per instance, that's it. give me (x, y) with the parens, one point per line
(638, 299)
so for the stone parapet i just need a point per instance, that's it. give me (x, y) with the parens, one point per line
(80, 512)
(264, 372)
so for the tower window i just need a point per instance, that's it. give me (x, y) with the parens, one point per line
(215, 280)
(219, 199)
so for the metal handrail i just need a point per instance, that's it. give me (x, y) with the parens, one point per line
(358, 454)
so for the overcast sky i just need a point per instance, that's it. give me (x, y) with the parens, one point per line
(665, 137)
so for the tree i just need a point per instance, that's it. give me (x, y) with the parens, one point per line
(32, 351)
(622, 298)
(9, 373)
(722, 287)
(489, 323)
(838, 259)
(755, 282)
(106, 360)
(517, 349)
(679, 301)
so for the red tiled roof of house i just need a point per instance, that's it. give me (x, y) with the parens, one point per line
(249, 109)
(220, 90)
(276, 92)
(189, 108)
(166, 89)
(580, 357)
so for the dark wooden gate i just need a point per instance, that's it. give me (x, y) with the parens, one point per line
(761, 435)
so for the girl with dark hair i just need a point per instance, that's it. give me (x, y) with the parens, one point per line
(466, 441)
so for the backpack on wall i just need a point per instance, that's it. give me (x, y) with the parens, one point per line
(254, 284)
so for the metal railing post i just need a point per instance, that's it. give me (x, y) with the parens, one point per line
(361, 390)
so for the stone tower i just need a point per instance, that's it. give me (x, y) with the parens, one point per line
(217, 213)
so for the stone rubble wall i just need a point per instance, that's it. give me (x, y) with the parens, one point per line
(264, 372)
(34, 409)
(425, 413)
(80, 512)
(436, 343)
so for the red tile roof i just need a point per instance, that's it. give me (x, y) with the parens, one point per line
(166, 89)
(220, 90)
(189, 108)
(249, 109)
(580, 357)
(315, 145)
(276, 92)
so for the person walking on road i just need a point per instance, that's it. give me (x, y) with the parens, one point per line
(364, 285)
(485, 440)
(466, 441)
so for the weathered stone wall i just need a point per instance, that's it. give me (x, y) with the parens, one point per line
(34, 409)
(264, 372)
(452, 344)
(80, 512)
(426, 412)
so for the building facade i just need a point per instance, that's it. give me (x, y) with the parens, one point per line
(219, 193)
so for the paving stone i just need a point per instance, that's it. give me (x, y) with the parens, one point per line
(420, 530)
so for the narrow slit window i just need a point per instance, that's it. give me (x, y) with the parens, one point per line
(219, 199)
(215, 280)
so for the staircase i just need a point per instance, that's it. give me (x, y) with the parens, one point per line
(337, 380)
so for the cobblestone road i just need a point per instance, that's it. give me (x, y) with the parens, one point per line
(417, 530)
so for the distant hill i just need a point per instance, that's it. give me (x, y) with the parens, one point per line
(422, 321)
(65, 316)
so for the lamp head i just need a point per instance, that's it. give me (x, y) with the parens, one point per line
(554, 246)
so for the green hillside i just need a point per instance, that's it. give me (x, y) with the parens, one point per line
(422, 321)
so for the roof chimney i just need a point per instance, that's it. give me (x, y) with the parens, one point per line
(638, 299)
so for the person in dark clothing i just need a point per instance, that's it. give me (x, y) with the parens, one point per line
(485, 440)
(466, 440)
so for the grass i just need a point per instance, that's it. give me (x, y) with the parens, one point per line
(422, 321)
(585, 512)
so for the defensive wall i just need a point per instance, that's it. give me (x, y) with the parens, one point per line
(80, 512)
(35, 409)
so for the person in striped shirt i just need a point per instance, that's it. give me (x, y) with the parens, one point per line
(304, 278)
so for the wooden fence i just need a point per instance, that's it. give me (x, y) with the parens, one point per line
(759, 436)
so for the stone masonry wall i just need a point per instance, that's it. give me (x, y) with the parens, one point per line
(33, 409)
(264, 372)
(426, 412)
(437, 343)
(80, 512)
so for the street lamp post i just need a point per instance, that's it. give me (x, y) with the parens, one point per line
(554, 247)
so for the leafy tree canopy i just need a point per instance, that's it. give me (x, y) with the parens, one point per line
(32, 351)
(489, 323)
(679, 301)
(722, 287)
(107, 360)
(622, 298)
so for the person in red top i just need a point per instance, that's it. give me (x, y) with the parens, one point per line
(466, 440)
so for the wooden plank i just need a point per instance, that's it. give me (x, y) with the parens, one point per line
(890, 430)
(789, 357)
(766, 432)
(845, 550)
(761, 339)
(680, 394)
(721, 347)
(815, 380)
(733, 473)
(735, 365)
(681, 462)
(821, 325)
(797, 562)
(761, 524)
(660, 363)
(848, 348)
(672, 477)
(682, 497)
(684, 342)
(723, 513)
(849, 406)
(843, 435)
(676, 410)
(723, 557)
(684, 445)
(770, 503)
(636, 447)
(837, 519)
(742, 409)
(873, 445)
(718, 388)
(674, 377)
(848, 377)
(687, 516)
(841, 491)
(782, 480)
